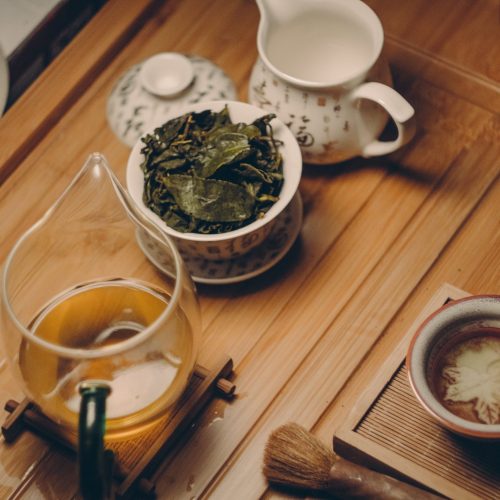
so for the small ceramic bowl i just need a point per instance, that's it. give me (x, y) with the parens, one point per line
(235, 243)
(454, 366)
(166, 74)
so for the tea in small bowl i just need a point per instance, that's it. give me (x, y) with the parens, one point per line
(454, 366)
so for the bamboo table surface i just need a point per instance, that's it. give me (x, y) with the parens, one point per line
(379, 237)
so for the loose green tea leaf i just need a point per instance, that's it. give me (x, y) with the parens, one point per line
(205, 174)
(211, 200)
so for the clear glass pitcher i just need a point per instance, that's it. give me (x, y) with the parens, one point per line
(98, 337)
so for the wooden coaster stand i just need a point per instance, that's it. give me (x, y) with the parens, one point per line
(131, 479)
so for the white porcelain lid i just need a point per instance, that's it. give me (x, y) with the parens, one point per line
(132, 110)
(166, 74)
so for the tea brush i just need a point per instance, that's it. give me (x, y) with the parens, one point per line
(295, 458)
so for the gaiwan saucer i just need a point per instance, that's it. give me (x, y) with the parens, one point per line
(260, 259)
(132, 110)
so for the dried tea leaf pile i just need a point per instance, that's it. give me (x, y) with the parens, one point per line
(205, 174)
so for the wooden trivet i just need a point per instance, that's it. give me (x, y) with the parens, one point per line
(135, 459)
(389, 431)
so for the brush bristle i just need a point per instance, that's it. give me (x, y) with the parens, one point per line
(295, 457)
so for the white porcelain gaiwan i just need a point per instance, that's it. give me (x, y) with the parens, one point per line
(232, 244)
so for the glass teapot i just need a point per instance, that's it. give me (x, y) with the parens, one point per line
(99, 339)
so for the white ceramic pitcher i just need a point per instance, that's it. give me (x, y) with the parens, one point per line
(321, 71)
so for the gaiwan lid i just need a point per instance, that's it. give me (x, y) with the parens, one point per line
(151, 92)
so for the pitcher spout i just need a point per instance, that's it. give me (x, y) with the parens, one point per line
(285, 24)
(321, 71)
(278, 10)
(274, 13)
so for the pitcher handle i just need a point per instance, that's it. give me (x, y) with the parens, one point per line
(95, 462)
(398, 108)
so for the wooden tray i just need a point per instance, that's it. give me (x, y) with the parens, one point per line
(134, 459)
(389, 431)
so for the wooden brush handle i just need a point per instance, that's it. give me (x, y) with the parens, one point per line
(350, 480)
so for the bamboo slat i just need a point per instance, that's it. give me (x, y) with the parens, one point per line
(459, 31)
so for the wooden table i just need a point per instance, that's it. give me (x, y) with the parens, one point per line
(380, 236)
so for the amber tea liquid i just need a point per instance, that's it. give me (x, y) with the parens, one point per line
(143, 380)
(466, 376)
